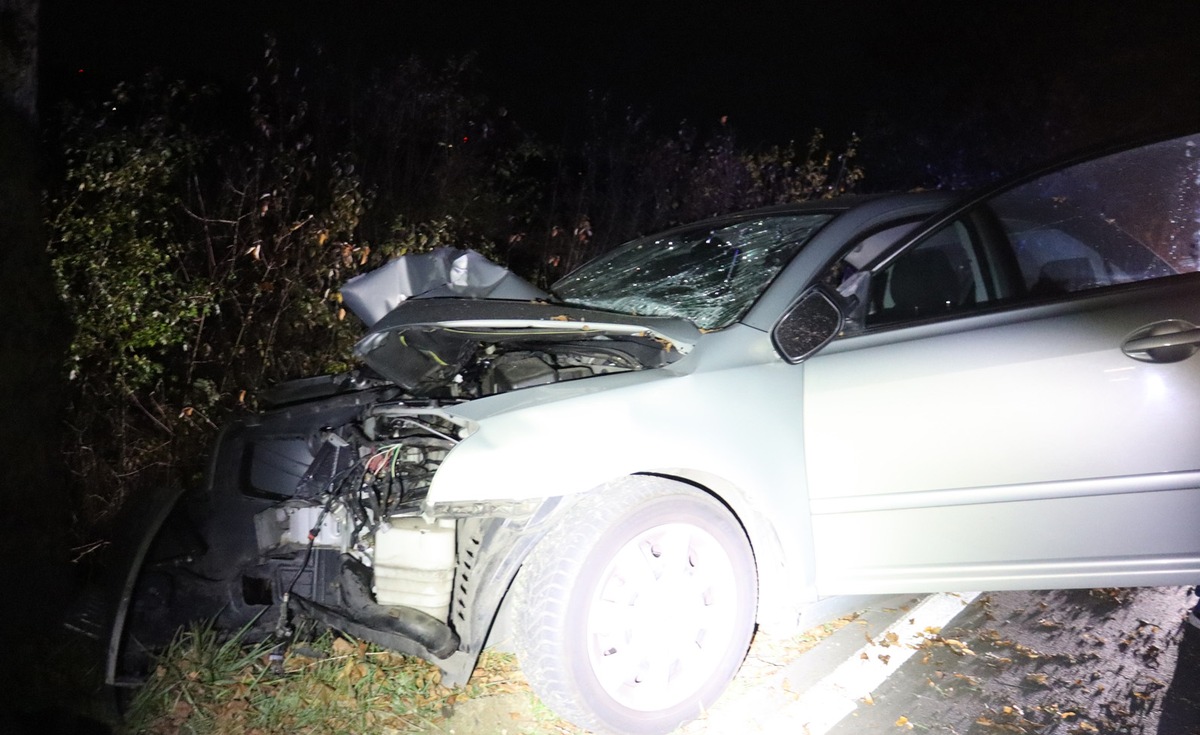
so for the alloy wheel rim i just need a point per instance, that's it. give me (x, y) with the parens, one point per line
(662, 617)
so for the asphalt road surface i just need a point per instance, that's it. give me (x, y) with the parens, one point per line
(1077, 661)
(1062, 662)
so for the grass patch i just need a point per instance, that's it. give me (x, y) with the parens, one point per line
(206, 684)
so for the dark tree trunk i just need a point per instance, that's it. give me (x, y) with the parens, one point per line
(19, 57)
(34, 568)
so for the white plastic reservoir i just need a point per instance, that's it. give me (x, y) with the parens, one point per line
(414, 564)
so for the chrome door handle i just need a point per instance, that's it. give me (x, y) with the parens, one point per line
(1166, 341)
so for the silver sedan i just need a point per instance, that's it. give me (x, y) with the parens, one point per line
(721, 426)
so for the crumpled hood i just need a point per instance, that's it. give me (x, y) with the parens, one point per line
(440, 273)
(423, 344)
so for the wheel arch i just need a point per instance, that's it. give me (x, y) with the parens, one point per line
(778, 600)
(551, 590)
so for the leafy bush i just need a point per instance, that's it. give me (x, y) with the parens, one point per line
(624, 180)
(119, 245)
(121, 253)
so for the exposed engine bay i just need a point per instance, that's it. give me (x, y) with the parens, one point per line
(365, 481)
(316, 508)
(361, 498)
(361, 475)
(335, 479)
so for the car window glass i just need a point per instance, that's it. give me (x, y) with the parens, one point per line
(871, 247)
(1122, 218)
(708, 274)
(942, 275)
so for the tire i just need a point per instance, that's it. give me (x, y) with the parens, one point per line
(634, 613)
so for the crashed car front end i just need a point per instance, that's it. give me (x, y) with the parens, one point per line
(333, 504)
(322, 503)
(344, 535)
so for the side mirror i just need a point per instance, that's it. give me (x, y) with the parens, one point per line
(807, 326)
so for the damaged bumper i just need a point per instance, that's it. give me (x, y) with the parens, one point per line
(324, 504)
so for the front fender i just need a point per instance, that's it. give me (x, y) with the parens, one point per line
(706, 428)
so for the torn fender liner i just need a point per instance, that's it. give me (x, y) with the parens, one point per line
(443, 272)
(399, 633)
(395, 628)
(400, 628)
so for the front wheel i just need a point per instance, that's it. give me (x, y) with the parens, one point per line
(634, 613)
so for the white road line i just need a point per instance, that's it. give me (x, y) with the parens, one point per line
(825, 703)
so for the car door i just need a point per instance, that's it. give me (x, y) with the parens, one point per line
(1014, 398)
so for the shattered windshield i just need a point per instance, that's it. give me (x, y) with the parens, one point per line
(709, 275)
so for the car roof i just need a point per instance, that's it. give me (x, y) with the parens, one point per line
(836, 205)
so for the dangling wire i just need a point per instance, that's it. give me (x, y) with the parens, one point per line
(358, 488)
(283, 629)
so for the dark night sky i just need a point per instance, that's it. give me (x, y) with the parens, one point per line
(904, 72)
